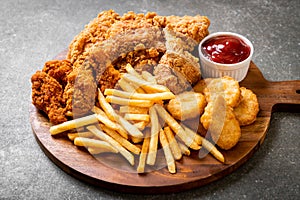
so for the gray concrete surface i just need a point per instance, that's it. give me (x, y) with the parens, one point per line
(34, 31)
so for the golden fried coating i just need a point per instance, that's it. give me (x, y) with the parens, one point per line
(109, 24)
(98, 54)
(184, 65)
(247, 109)
(201, 85)
(58, 69)
(227, 87)
(47, 96)
(227, 134)
(187, 105)
(195, 27)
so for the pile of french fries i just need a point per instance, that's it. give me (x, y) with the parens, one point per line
(139, 127)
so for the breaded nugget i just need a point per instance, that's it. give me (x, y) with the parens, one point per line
(187, 105)
(225, 86)
(248, 108)
(222, 124)
(201, 85)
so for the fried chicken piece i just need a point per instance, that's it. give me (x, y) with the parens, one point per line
(226, 134)
(248, 108)
(226, 86)
(93, 33)
(178, 42)
(195, 27)
(109, 78)
(166, 76)
(185, 71)
(47, 95)
(109, 24)
(187, 105)
(80, 92)
(58, 69)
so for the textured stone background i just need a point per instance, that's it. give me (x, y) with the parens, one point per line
(32, 32)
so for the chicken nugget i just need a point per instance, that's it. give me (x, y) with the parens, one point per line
(226, 131)
(187, 105)
(248, 108)
(225, 86)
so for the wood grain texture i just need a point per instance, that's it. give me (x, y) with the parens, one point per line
(191, 171)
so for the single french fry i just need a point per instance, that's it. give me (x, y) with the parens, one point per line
(110, 112)
(197, 138)
(184, 149)
(88, 142)
(148, 77)
(129, 102)
(176, 151)
(98, 133)
(102, 117)
(213, 150)
(151, 96)
(136, 140)
(75, 123)
(125, 143)
(132, 71)
(126, 86)
(155, 127)
(96, 150)
(207, 145)
(141, 125)
(144, 152)
(175, 126)
(135, 117)
(86, 134)
(133, 109)
(131, 129)
(147, 86)
(167, 151)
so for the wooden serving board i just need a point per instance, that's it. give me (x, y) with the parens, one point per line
(191, 171)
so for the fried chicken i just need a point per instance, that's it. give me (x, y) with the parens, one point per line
(47, 95)
(98, 54)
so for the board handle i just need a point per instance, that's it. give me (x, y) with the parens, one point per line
(287, 96)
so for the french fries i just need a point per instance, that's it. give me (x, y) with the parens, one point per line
(207, 145)
(137, 117)
(135, 128)
(97, 144)
(147, 86)
(144, 153)
(176, 151)
(133, 109)
(131, 70)
(127, 155)
(86, 134)
(155, 127)
(151, 96)
(175, 126)
(167, 151)
(124, 142)
(75, 123)
(131, 129)
(148, 77)
(129, 102)
(110, 112)
(102, 117)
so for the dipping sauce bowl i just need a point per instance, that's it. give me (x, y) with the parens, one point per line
(225, 54)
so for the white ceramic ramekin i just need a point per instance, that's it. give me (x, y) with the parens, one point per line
(211, 69)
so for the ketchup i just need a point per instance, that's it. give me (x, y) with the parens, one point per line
(226, 49)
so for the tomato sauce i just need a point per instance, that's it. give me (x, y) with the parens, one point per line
(226, 49)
